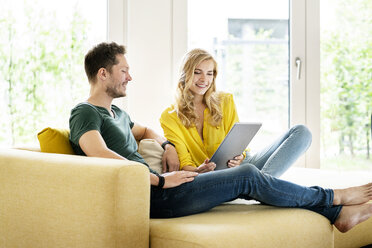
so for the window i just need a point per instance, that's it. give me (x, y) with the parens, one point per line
(346, 84)
(41, 62)
(251, 44)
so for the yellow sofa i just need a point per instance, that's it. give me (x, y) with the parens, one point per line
(58, 200)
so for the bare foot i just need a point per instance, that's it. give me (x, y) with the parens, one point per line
(352, 215)
(353, 195)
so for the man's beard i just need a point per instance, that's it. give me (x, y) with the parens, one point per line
(114, 93)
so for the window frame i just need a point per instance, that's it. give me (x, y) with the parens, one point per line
(304, 44)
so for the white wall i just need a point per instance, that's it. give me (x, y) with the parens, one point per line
(148, 29)
(149, 43)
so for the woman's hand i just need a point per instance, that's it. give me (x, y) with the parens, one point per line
(236, 161)
(206, 166)
(176, 178)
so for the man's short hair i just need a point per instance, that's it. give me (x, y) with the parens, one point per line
(101, 56)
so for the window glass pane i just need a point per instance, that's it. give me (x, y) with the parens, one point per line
(346, 84)
(42, 50)
(250, 41)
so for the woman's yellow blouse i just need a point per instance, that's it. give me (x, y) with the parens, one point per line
(191, 149)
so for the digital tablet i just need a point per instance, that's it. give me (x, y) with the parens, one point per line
(234, 143)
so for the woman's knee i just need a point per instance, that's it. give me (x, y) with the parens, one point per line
(247, 168)
(303, 131)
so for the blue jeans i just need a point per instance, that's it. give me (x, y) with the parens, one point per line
(247, 181)
(276, 158)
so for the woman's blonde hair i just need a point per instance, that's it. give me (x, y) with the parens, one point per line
(184, 99)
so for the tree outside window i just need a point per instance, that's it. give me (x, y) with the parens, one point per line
(346, 84)
(41, 65)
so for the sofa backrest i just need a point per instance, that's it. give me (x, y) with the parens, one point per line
(56, 140)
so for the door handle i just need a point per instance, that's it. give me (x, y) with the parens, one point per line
(298, 65)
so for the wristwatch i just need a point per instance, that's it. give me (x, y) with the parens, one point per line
(166, 143)
(161, 181)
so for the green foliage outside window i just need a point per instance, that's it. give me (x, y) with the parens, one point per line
(346, 80)
(41, 71)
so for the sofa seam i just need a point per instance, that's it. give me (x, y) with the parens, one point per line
(176, 240)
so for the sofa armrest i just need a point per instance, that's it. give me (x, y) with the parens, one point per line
(55, 200)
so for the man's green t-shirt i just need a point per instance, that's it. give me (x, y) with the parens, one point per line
(116, 131)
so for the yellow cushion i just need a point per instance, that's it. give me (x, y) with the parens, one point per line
(55, 140)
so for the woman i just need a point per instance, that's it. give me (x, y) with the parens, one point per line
(196, 125)
(202, 117)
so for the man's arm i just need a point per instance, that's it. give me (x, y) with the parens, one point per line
(141, 132)
(93, 145)
(170, 156)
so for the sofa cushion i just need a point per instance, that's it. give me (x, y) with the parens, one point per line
(54, 140)
(152, 153)
(242, 225)
(360, 235)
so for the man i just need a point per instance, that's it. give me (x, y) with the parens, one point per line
(100, 129)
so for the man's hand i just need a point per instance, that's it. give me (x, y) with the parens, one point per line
(236, 161)
(170, 159)
(206, 166)
(176, 178)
